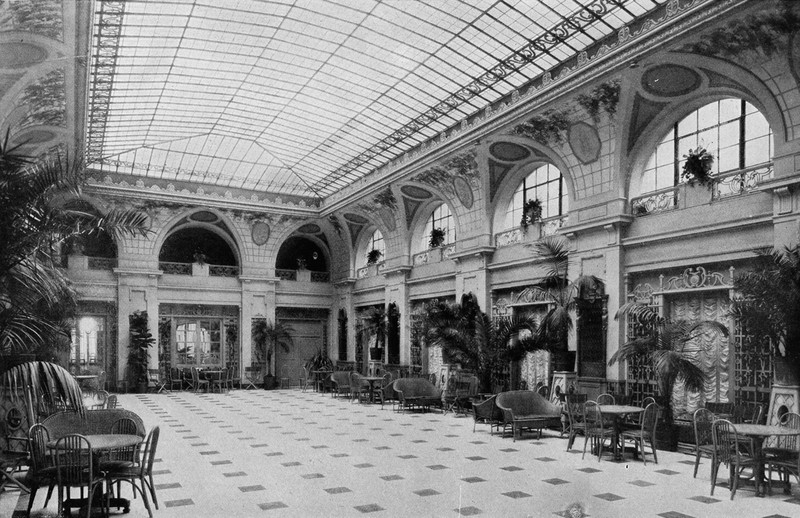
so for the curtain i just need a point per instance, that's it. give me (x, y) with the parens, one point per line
(710, 350)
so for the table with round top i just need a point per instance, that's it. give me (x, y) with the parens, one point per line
(760, 432)
(617, 412)
(103, 443)
(319, 379)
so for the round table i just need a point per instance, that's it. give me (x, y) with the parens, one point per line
(760, 432)
(618, 412)
(371, 380)
(102, 443)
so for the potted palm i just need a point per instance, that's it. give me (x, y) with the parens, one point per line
(266, 337)
(697, 167)
(555, 286)
(141, 340)
(768, 304)
(667, 345)
(469, 337)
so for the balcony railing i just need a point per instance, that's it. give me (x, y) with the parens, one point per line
(370, 270)
(741, 182)
(286, 275)
(546, 227)
(101, 263)
(175, 268)
(291, 275)
(661, 200)
(215, 270)
(434, 255)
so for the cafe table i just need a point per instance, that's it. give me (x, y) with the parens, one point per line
(759, 432)
(372, 380)
(102, 443)
(617, 413)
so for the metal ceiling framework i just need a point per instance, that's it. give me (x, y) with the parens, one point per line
(304, 97)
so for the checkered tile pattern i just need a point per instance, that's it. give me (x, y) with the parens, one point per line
(291, 453)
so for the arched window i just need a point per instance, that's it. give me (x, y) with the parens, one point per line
(732, 130)
(545, 183)
(375, 242)
(439, 218)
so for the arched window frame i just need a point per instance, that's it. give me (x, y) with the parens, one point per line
(554, 203)
(374, 241)
(439, 217)
(732, 115)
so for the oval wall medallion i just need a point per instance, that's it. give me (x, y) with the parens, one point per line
(20, 55)
(310, 228)
(584, 142)
(204, 216)
(355, 218)
(509, 152)
(463, 191)
(670, 80)
(415, 192)
(259, 233)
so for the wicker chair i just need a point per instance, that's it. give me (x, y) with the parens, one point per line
(359, 389)
(785, 455)
(340, 381)
(488, 412)
(703, 441)
(606, 399)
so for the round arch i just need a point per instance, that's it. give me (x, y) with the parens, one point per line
(363, 242)
(418, 223)
(305, 249)
(742, 84)
(222, 227)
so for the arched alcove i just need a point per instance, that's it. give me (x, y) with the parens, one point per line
(297, 251)
(184, 244)
(96, 244)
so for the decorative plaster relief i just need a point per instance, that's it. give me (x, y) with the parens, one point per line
(260, 232)
(644, 111)
(46, 101)
(43, 17)
(584, 141)
(463, 191)
(509, 151)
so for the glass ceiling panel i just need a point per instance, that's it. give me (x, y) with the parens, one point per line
(300, 97)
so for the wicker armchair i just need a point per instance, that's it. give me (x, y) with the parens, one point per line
(340, 381)
(487, 412)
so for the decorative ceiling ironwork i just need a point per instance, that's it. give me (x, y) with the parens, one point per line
(303, 98)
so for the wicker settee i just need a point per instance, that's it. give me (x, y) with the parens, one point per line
(488, 412)
(524, 409)
(417, 393)
(95, 422)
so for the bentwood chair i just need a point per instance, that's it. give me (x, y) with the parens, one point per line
(198, 383)
(219, 381)
(141, 472)
(596, 432)
(647, 433)
(575, 414)
(175, 379)
(75, 467)
(41, 471)
(703, 441)
(785, 456)
(606, 399)
(727, 451)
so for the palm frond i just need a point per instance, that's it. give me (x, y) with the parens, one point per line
(42, 381)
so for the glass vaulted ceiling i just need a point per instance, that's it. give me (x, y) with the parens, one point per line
(303, 97)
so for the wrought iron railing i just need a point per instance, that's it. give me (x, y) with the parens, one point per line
(175, 268)
(101, 263)
(286, 275)
(320, 277)
(741, 182)
(546, 227)
(216, 270)
(661, 200)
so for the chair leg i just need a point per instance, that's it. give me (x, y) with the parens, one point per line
(152, 489)
(585, 442)
(696, 462)
(31, 498)
(735, 479)
(714, 471)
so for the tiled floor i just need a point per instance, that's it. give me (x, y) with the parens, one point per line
(289, 453)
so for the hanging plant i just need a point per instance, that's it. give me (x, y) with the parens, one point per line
(697, 167)
(436, 238)
(761, 32)
(545, 127)
(531, 213)
(373, 256)
(605, 95)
